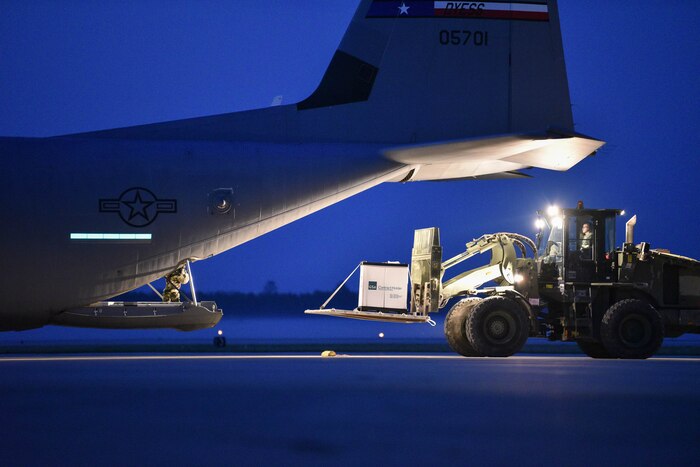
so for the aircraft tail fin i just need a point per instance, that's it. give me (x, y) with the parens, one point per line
(437, 70)
(416, 71)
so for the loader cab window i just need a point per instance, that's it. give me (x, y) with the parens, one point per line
(581, 237)
(553, 246)
(581, 248)
(590, 238)
(552, 251)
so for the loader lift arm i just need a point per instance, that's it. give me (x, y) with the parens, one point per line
(430, 293)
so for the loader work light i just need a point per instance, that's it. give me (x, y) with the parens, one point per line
(552, 211)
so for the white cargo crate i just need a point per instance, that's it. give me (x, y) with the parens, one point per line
(383, 286)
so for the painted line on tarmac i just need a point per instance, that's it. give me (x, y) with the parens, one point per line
(319, 357)
(222, 357)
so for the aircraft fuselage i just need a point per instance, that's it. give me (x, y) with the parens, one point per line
(92, 218)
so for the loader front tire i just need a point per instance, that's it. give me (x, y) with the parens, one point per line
(497, 326)
(455, 330)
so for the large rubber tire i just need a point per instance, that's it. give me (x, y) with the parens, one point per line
(593, 349)
(497, 327)
(631, 329)
(455, 331)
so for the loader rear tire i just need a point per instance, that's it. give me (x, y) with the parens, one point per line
(593, 349)
(632, 329)
(455, 330)
(497, 327)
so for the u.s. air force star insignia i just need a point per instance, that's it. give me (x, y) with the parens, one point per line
(138, 207)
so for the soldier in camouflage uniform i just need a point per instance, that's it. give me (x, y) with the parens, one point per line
(173, 282)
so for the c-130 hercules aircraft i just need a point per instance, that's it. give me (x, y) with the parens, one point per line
(417, 90)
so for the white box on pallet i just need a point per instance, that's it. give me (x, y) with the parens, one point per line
(383, 287)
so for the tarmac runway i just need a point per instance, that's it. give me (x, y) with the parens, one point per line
(348, 410)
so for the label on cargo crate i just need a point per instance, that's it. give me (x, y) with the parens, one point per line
(386, 286)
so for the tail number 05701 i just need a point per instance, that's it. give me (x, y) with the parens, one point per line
(464, 37)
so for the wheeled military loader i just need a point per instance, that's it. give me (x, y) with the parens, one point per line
(574, 286)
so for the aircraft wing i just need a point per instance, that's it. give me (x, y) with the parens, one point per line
(495, 156)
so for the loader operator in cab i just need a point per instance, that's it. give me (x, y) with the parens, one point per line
(586, 240)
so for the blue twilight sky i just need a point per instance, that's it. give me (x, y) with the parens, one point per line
(70, 66)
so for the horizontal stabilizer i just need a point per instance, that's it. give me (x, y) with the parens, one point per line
(496, 176)
(502, 155)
